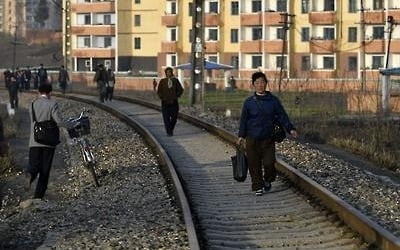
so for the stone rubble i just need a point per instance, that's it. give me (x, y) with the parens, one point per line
(132, 209)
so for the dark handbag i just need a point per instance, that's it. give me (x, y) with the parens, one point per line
(45, 132)
(239, 165)
(279, 133)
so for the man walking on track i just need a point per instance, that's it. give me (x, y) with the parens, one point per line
(169, 90)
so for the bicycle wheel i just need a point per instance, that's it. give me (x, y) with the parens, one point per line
(91, 167)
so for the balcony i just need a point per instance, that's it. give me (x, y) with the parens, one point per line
(273, 18)
(374, 17)
(169, 20)
(375, 46)
(323, 73)
(251, 19)
(250, 46)
(395, 46)
(93, 7)
(275, 46)
(322, 46)
(322, 18)
(168, 47)
(94, 52)
(93, 30)
(211, 19)
(211, 47)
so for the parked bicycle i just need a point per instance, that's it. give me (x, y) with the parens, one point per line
(78, 135)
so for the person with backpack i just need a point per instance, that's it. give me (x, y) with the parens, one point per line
(101, 79)
(256, 131)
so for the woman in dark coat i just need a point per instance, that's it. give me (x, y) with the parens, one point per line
(256, 130)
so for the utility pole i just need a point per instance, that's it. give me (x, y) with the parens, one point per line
(362, 37)
(285, 26)
(385, 78)
(67, 34)
(197, 54)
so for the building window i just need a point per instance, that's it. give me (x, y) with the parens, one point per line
(378, 32)
(328, 62)
(329, 33)
(352, 6)
(171, 60)
(173, 8)
(234, 35)
(305, 6)
(172, 33)
(377, 4)
(234, 8)
(280, 33)
(352, 34)
(305, 63)
(329, 5)
(190, 9)
(211, 58)
(137, 1)
(255, 6)
(83, 41)
(212, 34)
(107, 42)
(377, 62)
(107, 19)
(281, 61)
(235, 62)
(305, 34)
(256, 33)
(352, 63)
(256, 61)
(191, 36)
(213, 7)
(137, 20)
(137, 44)
(281, 5)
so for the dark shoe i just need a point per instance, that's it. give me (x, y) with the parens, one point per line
(170, 134)
(267, 186)
(259, 192)
(27, 181)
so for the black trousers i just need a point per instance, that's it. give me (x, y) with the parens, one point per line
(170, 115)
(101, 86)
(261, 161)
(40, 160)
(110, 93)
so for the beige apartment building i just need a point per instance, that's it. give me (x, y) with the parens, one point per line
(292, 38)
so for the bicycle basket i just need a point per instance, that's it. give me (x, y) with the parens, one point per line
(82, 128)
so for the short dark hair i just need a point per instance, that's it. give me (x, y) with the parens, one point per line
(45, 88)
(257, 75)
(168, 68)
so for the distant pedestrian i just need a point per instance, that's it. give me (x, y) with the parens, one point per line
(19, 76)
(110, 85)
(232, 82)
(256, 129)
(101, 79)
(42, 73)
(169, 90)
(27, 78)
(40, 155)
(154, 84)
(63, 78)
(35, 79)
(13, 90)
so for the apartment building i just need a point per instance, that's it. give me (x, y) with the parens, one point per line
(14, 17)
(322, 39)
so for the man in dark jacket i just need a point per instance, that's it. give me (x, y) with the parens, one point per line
(40, 155)
(42, 74)
(169, 90)
(13, 89)
(63, 78)
(256, 129)
(101, 79)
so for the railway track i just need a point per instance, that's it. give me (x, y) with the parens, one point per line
(226, 214)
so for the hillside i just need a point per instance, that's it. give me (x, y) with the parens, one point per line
(50, 54)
